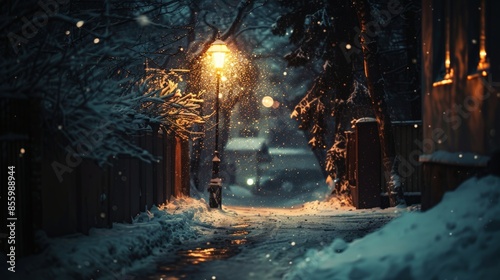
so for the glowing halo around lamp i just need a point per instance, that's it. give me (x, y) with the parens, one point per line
(267, 101)
(218, 50)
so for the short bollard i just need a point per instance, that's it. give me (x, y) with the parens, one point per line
(215, 193)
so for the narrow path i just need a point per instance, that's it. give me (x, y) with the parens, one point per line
(264, 244)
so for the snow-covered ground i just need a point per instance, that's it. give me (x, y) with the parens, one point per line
(113, 253)
(457, 239)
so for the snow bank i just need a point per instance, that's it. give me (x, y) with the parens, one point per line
(112, 253)
(457, 239)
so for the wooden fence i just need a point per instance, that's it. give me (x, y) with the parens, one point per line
(88, 195)
(364, 166)
(100, 196)
(409, 146)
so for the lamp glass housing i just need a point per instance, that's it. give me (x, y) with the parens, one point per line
(218, 50)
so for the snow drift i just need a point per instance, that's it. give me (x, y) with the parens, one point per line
(457, 239)
(117, 252)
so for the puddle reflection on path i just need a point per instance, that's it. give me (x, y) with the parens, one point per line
(219, 249)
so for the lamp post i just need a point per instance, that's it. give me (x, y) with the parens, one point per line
(218, 50)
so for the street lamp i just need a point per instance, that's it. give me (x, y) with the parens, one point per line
(218, 50)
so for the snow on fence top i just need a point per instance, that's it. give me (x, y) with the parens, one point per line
(365, 119)
(462, 159)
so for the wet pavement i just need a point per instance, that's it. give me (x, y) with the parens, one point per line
(265, 244)
(225, 243)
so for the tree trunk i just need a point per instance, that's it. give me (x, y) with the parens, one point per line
(375, 83)
(343, 76)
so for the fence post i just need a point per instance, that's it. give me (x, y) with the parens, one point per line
(366, 192)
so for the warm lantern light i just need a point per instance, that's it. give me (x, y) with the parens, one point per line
(218, 50)
(482, 54)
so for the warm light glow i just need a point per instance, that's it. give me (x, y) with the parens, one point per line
(447, 63)
(200, 255)
(267, 101)
(276, 104)
(218, 50)
(482, 54)
(218, 59)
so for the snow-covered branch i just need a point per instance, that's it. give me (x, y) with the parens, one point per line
(87, 69)
(167, 105)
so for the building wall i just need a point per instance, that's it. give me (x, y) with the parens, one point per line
(460, 94)
(459, 114)
(245, 166)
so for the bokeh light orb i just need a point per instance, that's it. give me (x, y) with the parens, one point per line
(267, 101)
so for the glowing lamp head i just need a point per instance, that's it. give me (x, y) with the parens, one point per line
(218, 50)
